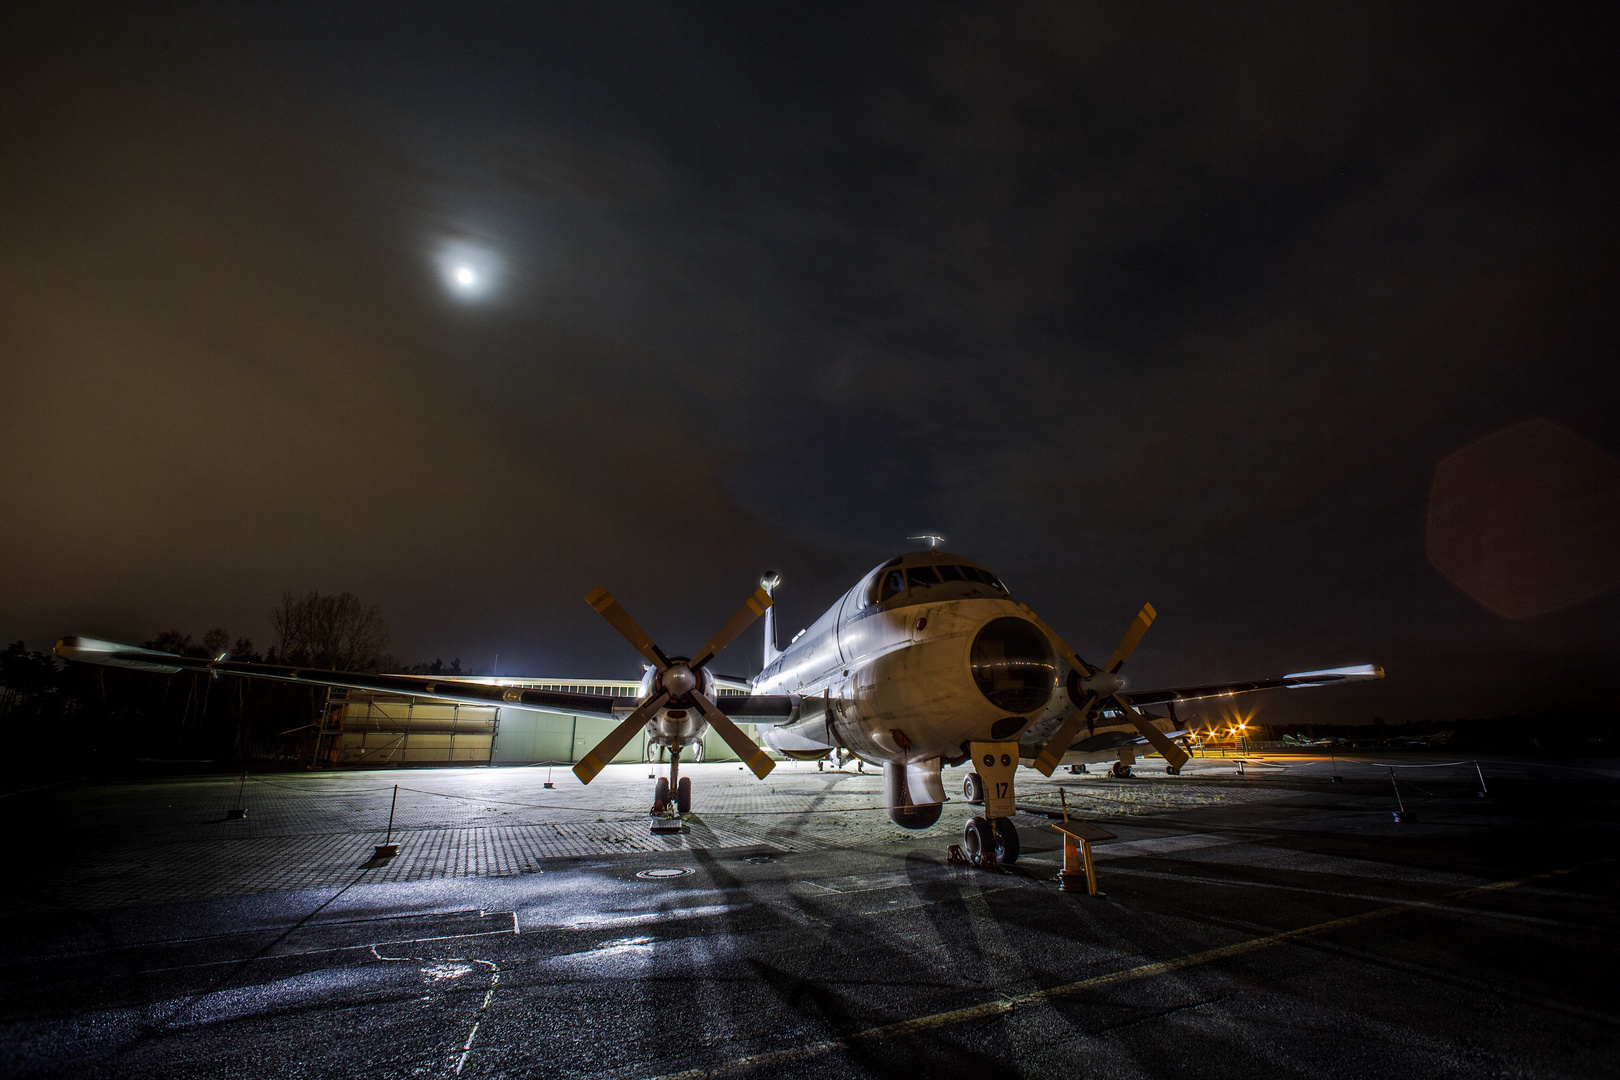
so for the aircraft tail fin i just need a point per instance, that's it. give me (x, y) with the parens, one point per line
(769, 582)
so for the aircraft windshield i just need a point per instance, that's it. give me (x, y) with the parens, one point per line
(923, 575)
(896, 581)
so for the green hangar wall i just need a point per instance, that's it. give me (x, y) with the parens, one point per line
(377, 730)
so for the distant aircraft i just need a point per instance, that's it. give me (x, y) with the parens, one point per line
(924, 656)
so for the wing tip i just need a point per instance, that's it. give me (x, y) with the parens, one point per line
(1355, 672)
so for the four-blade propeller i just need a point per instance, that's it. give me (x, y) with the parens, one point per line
(1098, 686)
(678, 684)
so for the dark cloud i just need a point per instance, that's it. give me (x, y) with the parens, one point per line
(1174, 303)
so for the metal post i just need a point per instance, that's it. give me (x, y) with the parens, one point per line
(239, 811)
(405, 742)
(388, 849)
(1334, 758)
(1401, 813)
(1483, 790)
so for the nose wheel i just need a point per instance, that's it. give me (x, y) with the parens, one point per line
(990, 842)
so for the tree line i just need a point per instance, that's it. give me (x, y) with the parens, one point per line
(92, 714)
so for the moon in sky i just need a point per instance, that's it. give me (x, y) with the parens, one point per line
(469, 272)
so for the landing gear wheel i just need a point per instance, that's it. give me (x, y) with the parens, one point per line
(1173, 770)
(683, 795)
(979, 840)
(1121, 770)
(973, 788)
(1006, 841)
(660, 795)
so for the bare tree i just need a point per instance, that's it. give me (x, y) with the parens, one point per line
(333, 631)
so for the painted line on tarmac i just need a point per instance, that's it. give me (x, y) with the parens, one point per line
(1428, 905)
(989, 1009)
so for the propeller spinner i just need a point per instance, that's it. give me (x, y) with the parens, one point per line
(678, 683)
(1100, 685)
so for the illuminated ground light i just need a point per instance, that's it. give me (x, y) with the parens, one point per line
(469, 273)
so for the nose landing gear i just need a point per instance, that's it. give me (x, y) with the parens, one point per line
(990, 842)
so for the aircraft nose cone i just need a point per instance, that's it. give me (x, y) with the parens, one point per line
(1013, 665)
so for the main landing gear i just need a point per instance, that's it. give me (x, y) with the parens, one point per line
(682, 790)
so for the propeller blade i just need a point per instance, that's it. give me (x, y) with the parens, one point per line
(611, 610)
(751, 609)
(1133, 636)
(1063, 738)
(1063, 649)
(752, 754)
(588, 766)
(1173, 755)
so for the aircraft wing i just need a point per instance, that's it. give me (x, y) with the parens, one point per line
(1297, 681)
(749, 709)
(112, 654)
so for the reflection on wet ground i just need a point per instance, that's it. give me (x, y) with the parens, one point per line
(1256, 924)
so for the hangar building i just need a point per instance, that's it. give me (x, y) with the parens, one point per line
(363, 728)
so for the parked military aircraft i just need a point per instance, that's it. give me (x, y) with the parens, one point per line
(925, 655)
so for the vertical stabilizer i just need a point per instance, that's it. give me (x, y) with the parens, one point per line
(769, 581)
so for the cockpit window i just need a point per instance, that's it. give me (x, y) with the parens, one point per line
(973, 573)
(949, 573)
(893, 582)
(924, 575)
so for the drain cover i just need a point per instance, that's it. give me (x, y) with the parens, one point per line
(665, 872)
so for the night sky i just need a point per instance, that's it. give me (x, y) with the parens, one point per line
(1178, 303)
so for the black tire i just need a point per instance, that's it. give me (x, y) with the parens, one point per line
(973, 788)
(1006, 841)
(683, 795)
(1121, 770)
(979, 840)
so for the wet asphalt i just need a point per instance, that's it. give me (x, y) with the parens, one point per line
(1295, 930)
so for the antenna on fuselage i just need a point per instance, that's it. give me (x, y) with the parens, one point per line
(769, 581)
(934, 539)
